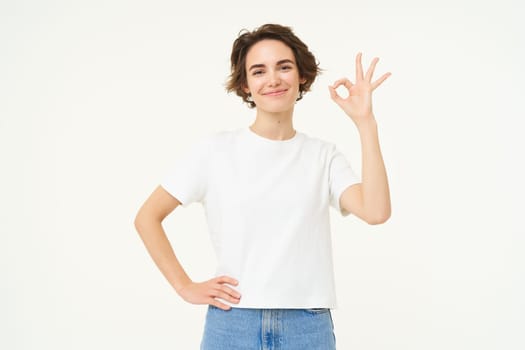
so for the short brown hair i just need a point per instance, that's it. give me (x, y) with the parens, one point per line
(306, 63)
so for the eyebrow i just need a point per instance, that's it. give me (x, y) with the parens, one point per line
(260, 65)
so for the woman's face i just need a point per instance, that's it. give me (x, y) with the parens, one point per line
(272, 76)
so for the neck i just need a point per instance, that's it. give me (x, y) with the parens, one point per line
(274, 126)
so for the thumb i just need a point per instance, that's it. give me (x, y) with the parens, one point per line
(334, 95)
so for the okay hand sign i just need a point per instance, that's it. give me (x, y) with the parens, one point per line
(358, 104)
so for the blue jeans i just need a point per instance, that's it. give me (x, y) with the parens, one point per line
(268, 329)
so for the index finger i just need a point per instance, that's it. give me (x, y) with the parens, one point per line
(343, 81)
(227, 279)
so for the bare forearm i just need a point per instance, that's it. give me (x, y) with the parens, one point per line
(152, 234)
(376, 193)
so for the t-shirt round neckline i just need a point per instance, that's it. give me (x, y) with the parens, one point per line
(254, 135)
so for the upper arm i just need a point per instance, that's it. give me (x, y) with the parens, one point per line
(351, 200)
(158, 205)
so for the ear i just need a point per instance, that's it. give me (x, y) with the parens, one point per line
(302, 80)
(246, 90)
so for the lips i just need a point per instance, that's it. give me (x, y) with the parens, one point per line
(275, 92)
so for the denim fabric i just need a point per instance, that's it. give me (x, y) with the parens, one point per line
(268, 329)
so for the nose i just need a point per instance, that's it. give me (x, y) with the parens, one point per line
(274, 78)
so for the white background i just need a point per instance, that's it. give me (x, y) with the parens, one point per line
(98, 97)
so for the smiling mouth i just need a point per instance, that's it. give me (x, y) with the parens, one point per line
(275, 93)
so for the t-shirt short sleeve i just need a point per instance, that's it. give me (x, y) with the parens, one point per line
(341, 176)
(187, 179)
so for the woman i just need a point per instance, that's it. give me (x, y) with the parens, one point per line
(266, 190)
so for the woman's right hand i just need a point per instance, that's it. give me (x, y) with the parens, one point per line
(209, 292)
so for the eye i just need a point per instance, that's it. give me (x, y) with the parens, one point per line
(286, 67)
(257, 72)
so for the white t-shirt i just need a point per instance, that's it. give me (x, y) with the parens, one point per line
(267, 206)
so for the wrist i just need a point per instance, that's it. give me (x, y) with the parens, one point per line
(183, 284)
(367, 124)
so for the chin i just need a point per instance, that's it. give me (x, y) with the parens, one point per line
(277, 110)
(276, 107)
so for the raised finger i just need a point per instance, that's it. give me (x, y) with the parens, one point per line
(379, 81)
(358, 67)
(371, 69)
